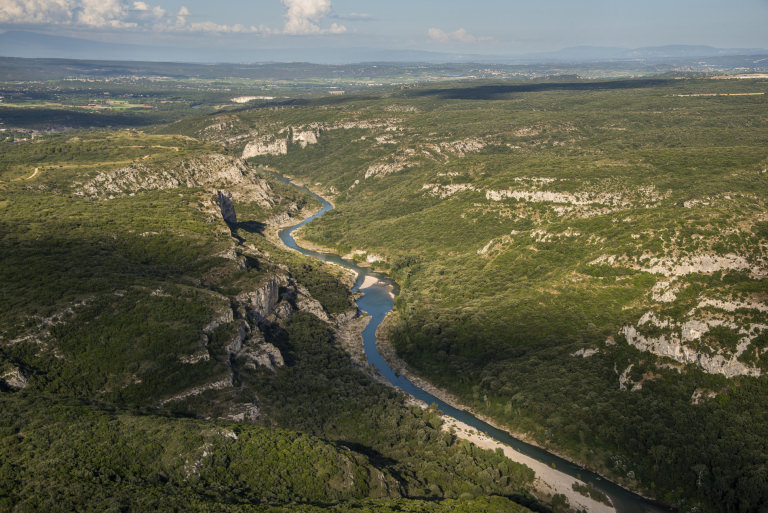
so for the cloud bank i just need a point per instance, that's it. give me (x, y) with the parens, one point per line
(302, 17)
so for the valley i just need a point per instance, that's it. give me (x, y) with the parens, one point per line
(581, 263)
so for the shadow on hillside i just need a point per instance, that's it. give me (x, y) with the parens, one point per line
(251, 227)
(500, 91)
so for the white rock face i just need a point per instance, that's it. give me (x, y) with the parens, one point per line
(732, 306)
(624, 378)
(201, 355)
(208, 169)
(585, 352)
(664, 291)
(223, 315)
(556, 197)
(372, 257)
(682, 266)
(259, 191)
(248, 412)
(246, 99)
(698, 264)
(303, 138)
(13, 378)
(265, 145)
(459, 148)
(674, 345)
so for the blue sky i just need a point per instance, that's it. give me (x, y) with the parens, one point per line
(477, 26)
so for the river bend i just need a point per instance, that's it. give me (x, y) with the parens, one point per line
(377, 301)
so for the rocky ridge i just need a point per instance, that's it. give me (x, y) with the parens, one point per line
(211, 169)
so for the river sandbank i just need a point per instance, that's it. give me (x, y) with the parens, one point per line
(549, 481)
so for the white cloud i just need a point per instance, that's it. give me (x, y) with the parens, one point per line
(36, 11)
(118, 14)
(102, 13)
(457, 36)
(303, 16)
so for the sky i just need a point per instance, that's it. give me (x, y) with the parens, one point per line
(498, 27)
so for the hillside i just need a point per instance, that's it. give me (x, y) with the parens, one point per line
(154, 356)
(584, 262)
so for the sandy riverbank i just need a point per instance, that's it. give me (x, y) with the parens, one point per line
(549, 481)
(369, 281)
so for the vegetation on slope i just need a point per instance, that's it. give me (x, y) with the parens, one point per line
(130, 335)
(582, 261)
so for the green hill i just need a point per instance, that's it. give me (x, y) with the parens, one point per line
(154, 357)
(584, 262)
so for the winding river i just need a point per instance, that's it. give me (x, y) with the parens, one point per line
(377, 301)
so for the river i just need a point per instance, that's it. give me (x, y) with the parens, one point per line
(377, 301)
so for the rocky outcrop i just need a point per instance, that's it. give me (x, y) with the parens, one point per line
(227, 207)
(448, 190)
(236, 343)
(265, 355)
(259, 191)
(222, 315)
(261, 302)
(212, 168)
(13, 378)
(349, 329)
(585, 352)
(698, 264)
(282, 312)
(680, 341)
(624, 379)
(265, 145)
(201, 355)
(682, 266)
(249, 350)
(305, 137)
(306, 303)
(246, 412)
(702, 394)
(397, 163)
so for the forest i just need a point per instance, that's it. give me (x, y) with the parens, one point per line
(581, 261)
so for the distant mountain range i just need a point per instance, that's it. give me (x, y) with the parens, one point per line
(36, 45)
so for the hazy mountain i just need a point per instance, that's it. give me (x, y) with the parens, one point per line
(649, 53)
(35, 45)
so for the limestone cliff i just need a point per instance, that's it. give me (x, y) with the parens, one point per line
(205, 169)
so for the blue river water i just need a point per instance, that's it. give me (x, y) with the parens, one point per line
(377, 301)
